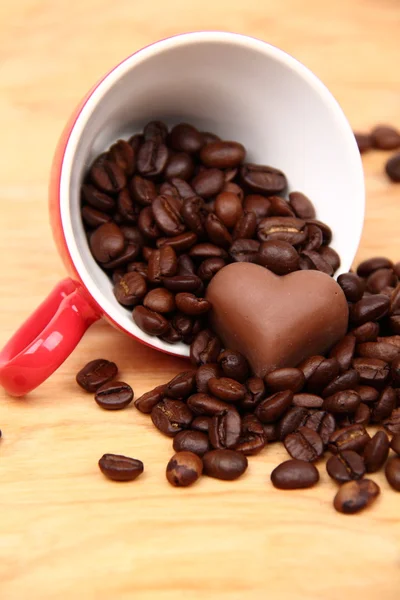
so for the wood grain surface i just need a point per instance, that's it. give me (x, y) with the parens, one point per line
(65, 531)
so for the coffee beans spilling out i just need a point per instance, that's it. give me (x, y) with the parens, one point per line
(382, 137)
(166, 210)
(221, 414)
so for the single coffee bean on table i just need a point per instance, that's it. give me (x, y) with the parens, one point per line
(354, 496)
(114, 396)
(184, 468)
(294, 475)
(96, 373)
(120, 468)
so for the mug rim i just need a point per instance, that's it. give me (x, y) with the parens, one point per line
(94, 97)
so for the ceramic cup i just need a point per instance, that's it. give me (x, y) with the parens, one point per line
(238, 87)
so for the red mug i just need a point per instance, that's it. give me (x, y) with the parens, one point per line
(236, 86)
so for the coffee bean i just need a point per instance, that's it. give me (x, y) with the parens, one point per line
(301, 205)
(343, 351)
(159, 300)
(186, 265)
(392, 168)
(206, 250)
(346, 381)
(142, 190)
(96, 373)
(370, 265)
(205, 348)
(234, 365)
(392, 424)
(395, 301)
(395, 371)
(130, 252)
(280, 207)
(285, 379)
(255, 393)
(114, 396)
(123, 155)
(265, 180)
(308, 400)
(209, 137)
(271, 409)
(147, 401)
(392, 472)
(278, 256)
(369, 308)
(186, 138)
(226, 389)
(245, 227)
(224, 464)
(314, 241)
(179, 164)
(345, 466)
(286, 229)
(342, 402)
(171, 416)
(324, 372)
(225, 428)
(155, 130)
(163, 264)
(385, 405)
(93, 217)
(394, 322)
(317, 261)
(120, 468)
(243, 250)
(98, 200)
(367, 332)
(366, 393)
(352, 437)
(252, 437)
(191, 304)
(167, 215)
(217, 232)
(364, 141)
(179, 243)
(209, 268)
(294, 475)
(201, 423)
(182, 283)
(352, 286)
(223, 155)
(133, 235)
(147, 225)
(291, 421)
(203, 374)
(191, 441)
(362, 415)
(330, 256)
(270, 432)
(204, 404)
(385, 137)
(107, 242)
(208, 183)
(184, 468)
(322, 422)
(152, 158)
(354, 496)
(130, 289)
(181, 386)
(372, 371)
(380, 279)
(149, 321)
(304, 444)
(395, 443)
(107, 176)
(228, 208)
(259, 205)
(381, 350)
(376, 452)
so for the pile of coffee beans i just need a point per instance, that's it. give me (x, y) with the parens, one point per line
(166, 210)
(382, 137)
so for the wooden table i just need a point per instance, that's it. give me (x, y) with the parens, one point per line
(65, 531)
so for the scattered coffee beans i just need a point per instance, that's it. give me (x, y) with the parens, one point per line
(294, 475)
(120, 468)
(96, 373)
(184, 469)
(354, 496)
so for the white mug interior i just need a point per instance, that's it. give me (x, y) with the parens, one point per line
(241, 89)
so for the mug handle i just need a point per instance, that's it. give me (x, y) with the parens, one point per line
(46, 338)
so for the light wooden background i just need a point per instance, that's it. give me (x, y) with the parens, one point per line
(65, 531)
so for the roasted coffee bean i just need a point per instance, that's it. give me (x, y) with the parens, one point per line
(294, 475)
(182, 283)
(217, 232)
(130, 289)
(353, 437)
(208, 183)
(98, 200)
(171, 336)
(287, 229)
(135, 141)
(209, 137)
(186, 265)
(184, 190)
(265, 180)
(318, 262)
(129, 254)
(367, 332)
(376, 452)
(162, 264)
(310, 365)
(272, 408)
(280, 207)
(385, 137)
(308, 400)
(226, 389)
(96, 373)
(385, 405)
(120, 468)
(205, 348)
(225, 428)
(184, 468)
(243, 250)
(252, 437)
(395, 443)
(167, 215)
(107, 176)
(209, 268)
(380, 279)
(123, 155)
(160, 300)
(204, 374)
(392, 168)
(362, 415)
(180, 243)
(179, 164)
(142, 190)
(364, 141)
(346, 381)
(314, 241)
(191, 441)
(93, 217)
(193, 213)
(392, 472)
(186, 138)
(367, 393)
(304, 444)
(183, 325)
(255, 393)
(370, 265)
(352, 286)
(345, 466)
(326, 230)
(201, 423)
(285, 379)
(234, 365)
(191, 304)
(270, 432)
(259, 205)
(392, 424)
(181, 386)
(372, 371)
(234, 188)
(223, 155)
(245, 227)
(148, 225)
(138, 267)
(291, 421)
(278, 256)
(381, 350)
(330, 256)
(354, 496)
(206, 250)
(114, 396)
(107, 242)
(155, 130)
(133, 235)
(149, 321)
(171, 416)
(324, 373)
(224, 464)
(322, 422)
(117, 275)
(342, 402)
(204, 404)
(301, 205)
(228, 208)
(147, 401)
(152, 158)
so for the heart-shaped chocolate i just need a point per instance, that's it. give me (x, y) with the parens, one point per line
(276, 321)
